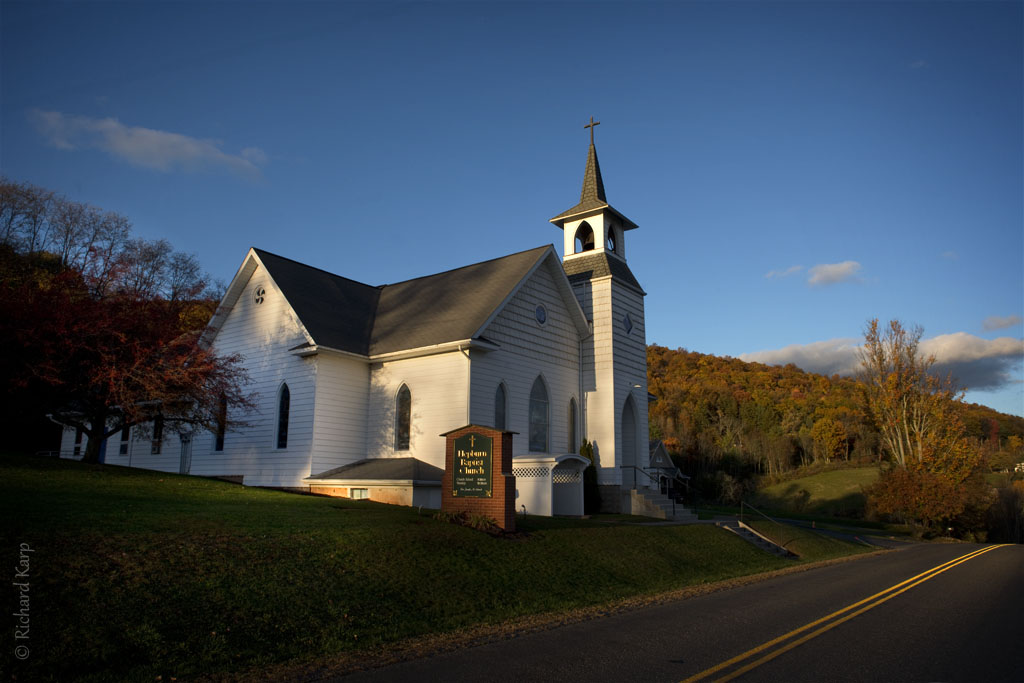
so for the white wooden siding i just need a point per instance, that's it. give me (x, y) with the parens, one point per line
(614, 363)
(630, 368)
(438, 385)
(263, 334)
(342, 392)
(529, 349)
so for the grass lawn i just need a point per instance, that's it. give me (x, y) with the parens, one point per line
(836, 493)
(137, 574)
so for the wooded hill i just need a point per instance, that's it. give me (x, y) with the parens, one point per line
(724, 414)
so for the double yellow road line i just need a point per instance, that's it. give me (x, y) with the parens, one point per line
(824, 624)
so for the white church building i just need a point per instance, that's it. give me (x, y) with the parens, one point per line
(356, 383)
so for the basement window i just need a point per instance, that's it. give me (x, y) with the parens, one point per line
(359, 494)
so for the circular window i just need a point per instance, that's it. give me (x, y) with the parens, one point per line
(258, 295)
(542, 315)
(627, 323)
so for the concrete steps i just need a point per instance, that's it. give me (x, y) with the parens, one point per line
(659, 506)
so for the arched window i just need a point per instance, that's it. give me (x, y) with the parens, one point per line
(610, 241)
(572, 425)
(539, 417)
(500, 401)
(403, 418)
(283, 406)
(584, 237)
(222, 423)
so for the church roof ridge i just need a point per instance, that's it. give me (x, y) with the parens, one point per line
(347, 315)
(469, 265)
(263, 252)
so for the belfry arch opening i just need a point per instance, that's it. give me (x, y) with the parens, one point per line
(584, 238)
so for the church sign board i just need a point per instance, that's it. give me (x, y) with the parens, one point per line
(472, 463)
(478, 477)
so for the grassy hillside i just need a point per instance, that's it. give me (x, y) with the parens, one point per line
(833, 493)
(139, 574)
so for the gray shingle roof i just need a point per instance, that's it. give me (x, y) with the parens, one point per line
(331, 307)
(592, 195)
(349, 316)
(399, 469)
(599, 264)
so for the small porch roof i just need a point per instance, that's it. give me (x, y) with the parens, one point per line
(393, 470)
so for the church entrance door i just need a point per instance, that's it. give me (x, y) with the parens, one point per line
(629, 443)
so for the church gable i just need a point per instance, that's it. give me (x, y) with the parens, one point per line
(337, 312)
(539, 319)
(448, 307)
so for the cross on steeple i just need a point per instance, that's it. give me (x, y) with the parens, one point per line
(591, 127)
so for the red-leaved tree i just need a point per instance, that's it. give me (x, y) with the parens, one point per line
(104, 335)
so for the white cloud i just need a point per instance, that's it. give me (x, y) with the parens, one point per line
(831, 273)
(995, 322)
(835, 356)
(145, 147)
(783, 273)
(975, 363)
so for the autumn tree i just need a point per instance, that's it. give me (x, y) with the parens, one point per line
(829, 437)
(919, 421)
(100, 331)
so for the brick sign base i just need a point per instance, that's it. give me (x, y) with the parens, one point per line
(500, 505)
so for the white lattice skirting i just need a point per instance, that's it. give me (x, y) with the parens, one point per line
(565, 477)
(530, 472)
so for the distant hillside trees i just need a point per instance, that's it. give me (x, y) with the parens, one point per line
(726, 422)
(101, 330)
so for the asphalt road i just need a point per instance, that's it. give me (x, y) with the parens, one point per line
(965, 623)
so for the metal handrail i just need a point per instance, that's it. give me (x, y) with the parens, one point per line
(744, 504)
(652, 478)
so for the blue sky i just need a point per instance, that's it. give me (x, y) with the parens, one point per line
(795, 168)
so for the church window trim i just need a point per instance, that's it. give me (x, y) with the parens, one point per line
(259, 295)
(611, 241)
(126, 432)
(222, 423)
(541, 314)
(157, 444)
(501, 407)
(284, 407)
(403, 418)
(572, 435)
(539, 416)
(627, 323)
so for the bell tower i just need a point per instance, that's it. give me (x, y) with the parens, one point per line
(614, 368)
(593, 225)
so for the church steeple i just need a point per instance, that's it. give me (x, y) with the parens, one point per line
(593, 224)
(593, 186)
